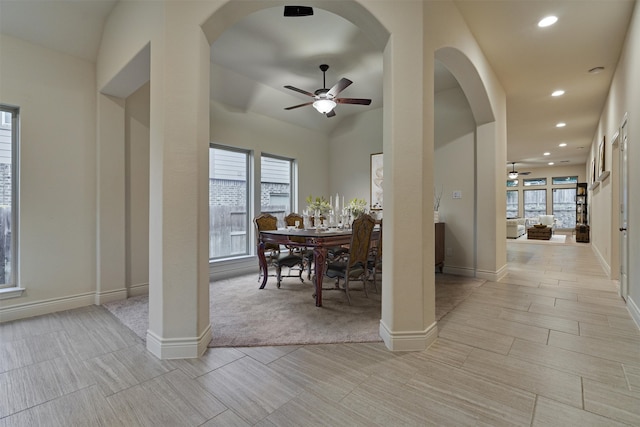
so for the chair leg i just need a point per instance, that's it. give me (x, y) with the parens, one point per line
(346, 289)
(278, 275)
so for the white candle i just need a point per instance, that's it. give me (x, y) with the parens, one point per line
(330, 200)
(337, 203)
(342, 202)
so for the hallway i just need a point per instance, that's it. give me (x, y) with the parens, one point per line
(551, 344)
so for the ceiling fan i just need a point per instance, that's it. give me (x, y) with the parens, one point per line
(514, 173)
(325, 100)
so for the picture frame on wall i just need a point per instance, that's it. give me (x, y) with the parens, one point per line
(602, 149)
(377, 173)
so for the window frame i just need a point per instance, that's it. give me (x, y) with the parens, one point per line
(11, 288)
(248, 201)
(292, 178)
(517, 203)
(524, 201)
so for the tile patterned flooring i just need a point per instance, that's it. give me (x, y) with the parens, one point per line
(551, 344)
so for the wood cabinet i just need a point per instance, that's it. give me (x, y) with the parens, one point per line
(439, 240)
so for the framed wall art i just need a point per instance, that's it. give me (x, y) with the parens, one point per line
(376, 181)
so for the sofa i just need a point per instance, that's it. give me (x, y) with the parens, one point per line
(515, 227)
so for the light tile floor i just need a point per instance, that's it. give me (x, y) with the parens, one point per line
(551, 344)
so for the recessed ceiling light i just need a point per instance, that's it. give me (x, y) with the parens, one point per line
(596, 70)
(561, 125)
(547, 153)
(558, 93)
(562, 144)
(550, 163)
(549, 20)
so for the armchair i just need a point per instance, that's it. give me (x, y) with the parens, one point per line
(549, 221)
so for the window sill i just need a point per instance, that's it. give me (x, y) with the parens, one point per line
(15, 292)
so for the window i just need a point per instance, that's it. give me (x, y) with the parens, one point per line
(512, 183)
(535, 203)
(228, 202)
(512, 203)
(534, 181)
(276, 184)
(564, 180)
(564, 207)
(8, 195)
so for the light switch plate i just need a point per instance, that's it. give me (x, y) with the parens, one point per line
(457, 194)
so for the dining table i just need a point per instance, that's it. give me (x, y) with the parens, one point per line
(319, 240)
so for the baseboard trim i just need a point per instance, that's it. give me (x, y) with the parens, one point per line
(460, 271)
(602, 260)
(179, 348)
(138, 290)
(492, 276)
(408, 340)
(220, 270)
(105, 297)
(38, 308)
(633, 310)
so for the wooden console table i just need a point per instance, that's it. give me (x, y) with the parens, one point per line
(439, 240)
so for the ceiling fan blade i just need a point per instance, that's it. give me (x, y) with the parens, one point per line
(299, 105)
(339, 87)
(360, 101)
(304, 92)
(331, 113)
(524, 173)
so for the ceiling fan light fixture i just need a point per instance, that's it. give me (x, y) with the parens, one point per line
(513, 175)
(324, 105)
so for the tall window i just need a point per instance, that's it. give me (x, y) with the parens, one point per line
(512, 203)
(8, 194)
(228, 202)
(535, 203)
(276, 186)
(564, 207)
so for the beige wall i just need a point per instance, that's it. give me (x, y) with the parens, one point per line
(56, 94)
(137, 191)
(622, 100)
(454, 170)
(350, 149)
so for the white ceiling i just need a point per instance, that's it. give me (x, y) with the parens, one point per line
(256, 57)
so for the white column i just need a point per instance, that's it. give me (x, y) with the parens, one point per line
(179, 325)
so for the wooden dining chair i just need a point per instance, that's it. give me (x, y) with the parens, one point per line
(354, 266)
(374, 262)
(275, 258)
(307, 254)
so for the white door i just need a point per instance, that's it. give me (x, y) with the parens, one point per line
(624, 243)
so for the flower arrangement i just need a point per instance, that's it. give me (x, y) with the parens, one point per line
(318, 204)
(357, 207)
(437, 196)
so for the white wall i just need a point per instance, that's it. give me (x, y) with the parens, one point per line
(350, 148)
(56, 96)
(622, 99)
(137, 191)
(454, 170)
(263, 134)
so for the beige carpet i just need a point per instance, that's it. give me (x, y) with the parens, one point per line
(243, 315)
